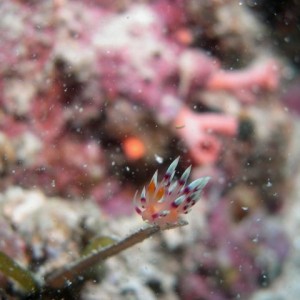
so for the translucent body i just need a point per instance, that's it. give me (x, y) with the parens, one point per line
(162, 203)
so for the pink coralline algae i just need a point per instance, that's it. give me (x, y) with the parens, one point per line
(236, 258)
(57, 170)
(63, 61)
(66, 64)
(95, 94)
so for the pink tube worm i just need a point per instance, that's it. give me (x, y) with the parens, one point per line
(247, 82)
(198, 132)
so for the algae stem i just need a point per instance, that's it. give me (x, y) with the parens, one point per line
(60, 277)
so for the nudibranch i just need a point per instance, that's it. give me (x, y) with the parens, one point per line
(162, 203)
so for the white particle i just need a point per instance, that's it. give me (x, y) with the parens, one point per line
(68, 283)
(269, 184)
(159, 159)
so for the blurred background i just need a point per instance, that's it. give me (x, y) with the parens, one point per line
(96, 95)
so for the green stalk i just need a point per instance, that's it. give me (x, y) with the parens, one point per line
(59, 278)
(13, 270)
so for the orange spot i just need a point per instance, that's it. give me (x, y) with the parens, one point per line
(160, 193)
(151, 188)
(184, 36)
(133, 148)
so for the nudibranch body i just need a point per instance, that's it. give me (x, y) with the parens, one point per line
(162, 203)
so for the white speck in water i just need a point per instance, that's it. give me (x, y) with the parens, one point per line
(159, 159)
(53, 183)
(127, 168)
(68, 282)
(245, 208)
(113, 163)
